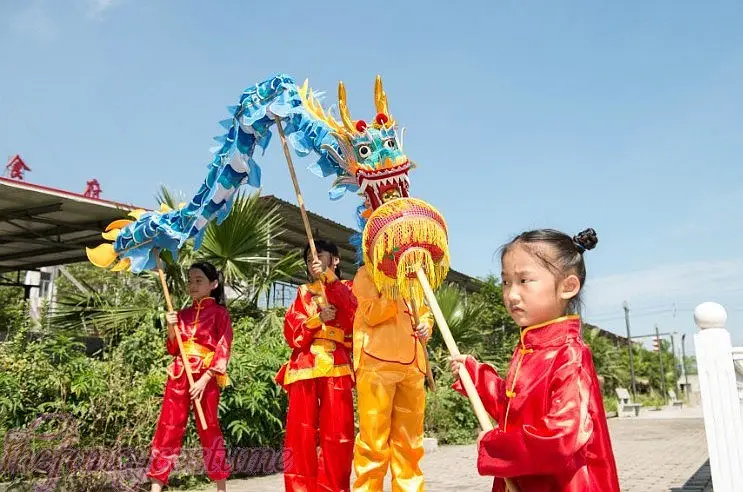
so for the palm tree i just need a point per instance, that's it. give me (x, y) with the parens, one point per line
(245, 248)
(607, 358)
(462, 317)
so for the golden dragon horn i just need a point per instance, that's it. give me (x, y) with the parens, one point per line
(343, 109)
(380, 99)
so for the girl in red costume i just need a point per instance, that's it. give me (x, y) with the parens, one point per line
(206, 331)
(552, 434)
(319, 379)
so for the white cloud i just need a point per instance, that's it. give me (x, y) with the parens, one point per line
(34, 21)
(683, 284)
(97, 7)
(652, 294)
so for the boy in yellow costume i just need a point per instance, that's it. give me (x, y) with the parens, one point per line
(390, 366)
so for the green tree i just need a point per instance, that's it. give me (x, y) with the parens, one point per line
(691, 364)
(463, 319)
(607, 358)
(245, 248)
(481, 327)
(11, 302)
(501, 335)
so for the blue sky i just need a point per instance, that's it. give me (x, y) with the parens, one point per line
(623, 116)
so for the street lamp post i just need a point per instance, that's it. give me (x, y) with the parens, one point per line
(629, 347)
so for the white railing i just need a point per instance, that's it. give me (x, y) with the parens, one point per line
(718, 366)
(738, 364)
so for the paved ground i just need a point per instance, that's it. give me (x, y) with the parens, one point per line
(657, 455)
(658, 452)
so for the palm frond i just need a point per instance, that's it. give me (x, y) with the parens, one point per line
(245, 247)
(462, 318)
(95, 314)
(279, 270)
(167, 197)
(241, 243)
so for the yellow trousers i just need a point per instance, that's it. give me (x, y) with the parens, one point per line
(391, 406)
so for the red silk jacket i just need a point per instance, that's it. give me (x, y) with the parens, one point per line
(206, 331)
(552, 434)
(319, 350)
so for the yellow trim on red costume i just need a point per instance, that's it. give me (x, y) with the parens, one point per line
(293, 375)
(546, 323)
(333, 334)
(193, 349)
(313, 322)
(199, 307)
(329, 276)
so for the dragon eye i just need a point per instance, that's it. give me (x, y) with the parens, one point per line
(390, 143)
(364, 151)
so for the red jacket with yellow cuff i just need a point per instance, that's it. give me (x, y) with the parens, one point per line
(319, 350)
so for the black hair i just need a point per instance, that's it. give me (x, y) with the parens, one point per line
(212, 274)
(564, 256)
(323, 246)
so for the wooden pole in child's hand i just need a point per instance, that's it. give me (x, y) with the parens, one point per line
(184, 357)
(482, 415)
(300, 200)
(417, 320)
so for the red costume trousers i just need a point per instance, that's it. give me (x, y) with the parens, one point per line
(320, 414)
(166, 445)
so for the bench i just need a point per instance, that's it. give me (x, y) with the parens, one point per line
(675, 402)
(625, 405)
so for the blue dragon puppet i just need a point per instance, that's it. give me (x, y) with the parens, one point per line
(364, 157)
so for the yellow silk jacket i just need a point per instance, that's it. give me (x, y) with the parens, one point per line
(383, 328)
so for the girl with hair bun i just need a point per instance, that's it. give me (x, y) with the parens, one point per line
(551, 433)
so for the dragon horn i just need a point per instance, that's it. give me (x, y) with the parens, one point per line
(380, 99)
(343, 109)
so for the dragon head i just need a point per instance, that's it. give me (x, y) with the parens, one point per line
(369, 153)
(400, 235)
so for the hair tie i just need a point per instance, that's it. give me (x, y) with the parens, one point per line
(585, 240)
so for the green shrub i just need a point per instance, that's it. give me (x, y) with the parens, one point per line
(449, 416)
(115, 400)
(253, 408)
(610, 404)
(652, 401)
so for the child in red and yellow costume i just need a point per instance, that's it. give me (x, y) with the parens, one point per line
(319, 379)
(552, 434)
(206, 331)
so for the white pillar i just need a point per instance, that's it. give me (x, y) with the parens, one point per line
(722, 417)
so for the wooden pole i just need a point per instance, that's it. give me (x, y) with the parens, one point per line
(417, 320)
(184, 357)
(297, 191)
(300, 200)
(482, 415)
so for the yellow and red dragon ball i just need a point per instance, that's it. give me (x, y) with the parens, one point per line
(400, 237)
